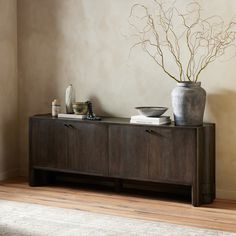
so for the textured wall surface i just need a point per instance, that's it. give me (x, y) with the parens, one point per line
(8, 89)
(86, 43)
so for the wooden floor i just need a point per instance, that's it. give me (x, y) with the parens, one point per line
(220, 215)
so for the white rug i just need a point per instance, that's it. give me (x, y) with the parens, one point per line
(17, 219)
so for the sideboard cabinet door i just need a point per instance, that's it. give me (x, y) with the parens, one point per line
(128, 152)
(67, 145)
(48, 143)
(172, 155)
(87, 148)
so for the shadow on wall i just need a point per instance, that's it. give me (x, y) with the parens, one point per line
(9, 146)
(98, 109)
(222, 111)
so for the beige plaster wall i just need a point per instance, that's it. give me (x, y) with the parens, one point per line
(8, 89)
(86, 43)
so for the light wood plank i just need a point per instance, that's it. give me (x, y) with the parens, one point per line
(220, 215)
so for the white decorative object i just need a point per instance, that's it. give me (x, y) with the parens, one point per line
(72, 116)
(141, 119)
(151, 111)
(55, 107)
(69, 99)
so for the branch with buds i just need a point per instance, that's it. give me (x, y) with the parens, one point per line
(189, 41)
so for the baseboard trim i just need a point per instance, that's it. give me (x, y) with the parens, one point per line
(226, 194)
(9, 174)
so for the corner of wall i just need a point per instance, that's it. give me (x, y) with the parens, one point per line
(9, 174)
(9, 95)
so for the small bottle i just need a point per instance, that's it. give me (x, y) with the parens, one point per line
(55, 108)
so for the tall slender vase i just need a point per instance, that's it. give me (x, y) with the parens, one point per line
(69, 99)
(188, 103)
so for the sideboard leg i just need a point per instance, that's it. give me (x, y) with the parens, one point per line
(118, 185)
(39, 178)
(196, 201)
(32, 178)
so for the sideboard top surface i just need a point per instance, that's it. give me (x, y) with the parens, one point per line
(113, 120)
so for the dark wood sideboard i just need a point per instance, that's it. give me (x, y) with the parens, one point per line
(116, 149)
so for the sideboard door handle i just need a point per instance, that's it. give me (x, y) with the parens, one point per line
(153, 132)
(71, 126)
(150, 131)
(66, 125)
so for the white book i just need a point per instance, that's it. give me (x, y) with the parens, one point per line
(150, 122)
(139, 119)
(71, 116)
(150, 119)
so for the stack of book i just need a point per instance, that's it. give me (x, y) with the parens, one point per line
(140, 119)
(72, 116)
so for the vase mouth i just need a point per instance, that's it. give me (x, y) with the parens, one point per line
(188, 84)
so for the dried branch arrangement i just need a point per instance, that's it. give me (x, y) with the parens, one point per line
(183, 44)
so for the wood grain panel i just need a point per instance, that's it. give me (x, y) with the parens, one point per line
(172, 155)
(48, 143)
(128, 152)
(88, 145)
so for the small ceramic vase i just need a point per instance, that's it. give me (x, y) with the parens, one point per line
(69, 99)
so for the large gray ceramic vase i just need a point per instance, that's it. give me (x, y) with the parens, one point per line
(188, 103)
